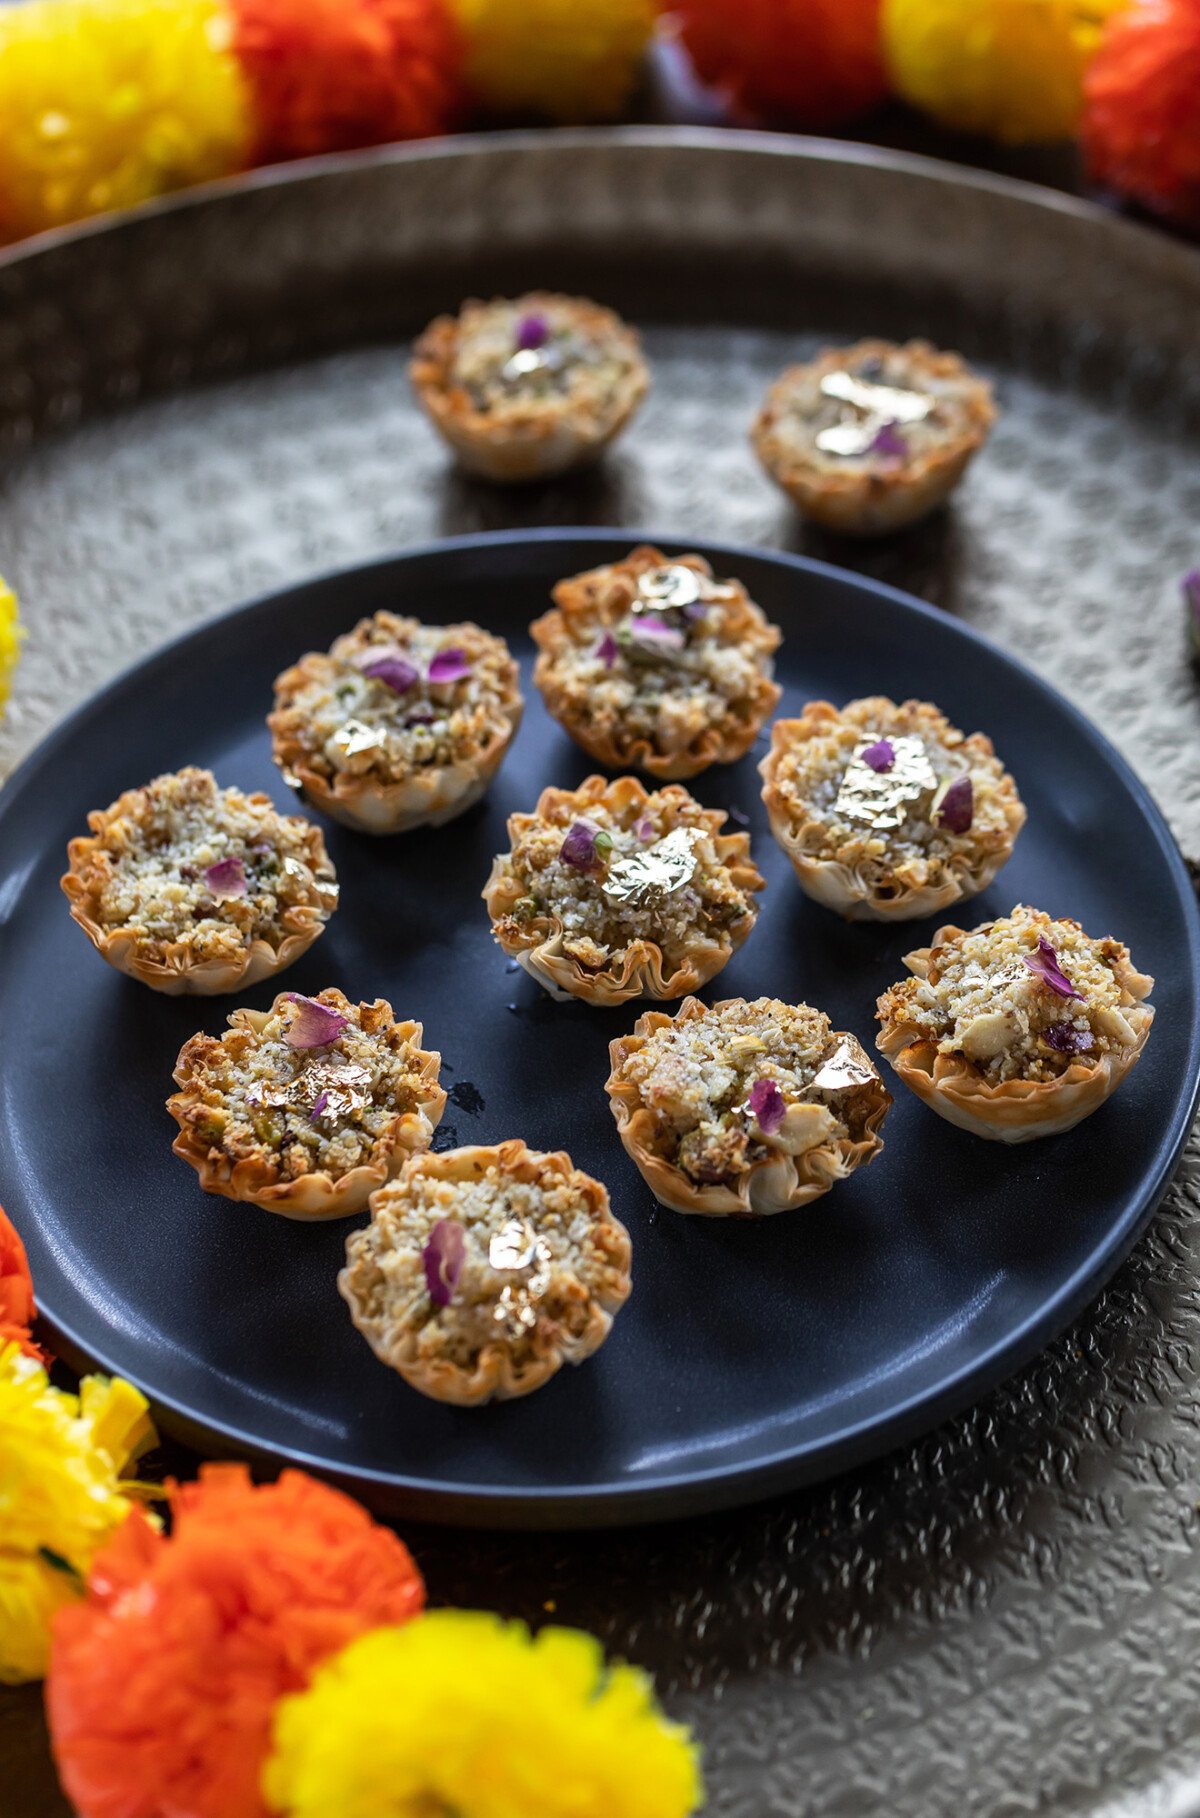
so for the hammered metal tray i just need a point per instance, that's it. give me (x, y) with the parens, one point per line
(208, 399)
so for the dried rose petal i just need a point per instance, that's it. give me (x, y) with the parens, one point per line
(449, 666)
(1044, 965)
(766, 1105)
(606, 649)
(533, 331)
(314, 1025)
(695, 610)
(318, 1107)
(1067, 1038)
(889, 442)
(644, 829)
(956, 810)
(226, 878)
(652, 632)
(880, 756)
(443, 1257)
(579, 847)
(395, 672)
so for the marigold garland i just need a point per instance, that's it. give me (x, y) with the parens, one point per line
(565, 59)
(62, 1493)
(812, 62)
(328, 75)
(1141, 124)
(16, 1284)
(461, 1712)
(109, 102)
(10, 639)
(163, 1681)
(1012, 68)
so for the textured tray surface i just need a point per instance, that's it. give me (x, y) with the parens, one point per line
(999, 1620)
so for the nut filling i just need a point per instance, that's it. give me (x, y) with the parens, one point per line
(257, 1109)
(483, 1270)
(763, 1101)
(888, 810)
(184, 876)
(1026, 997)
(611, 884)
(651, 662)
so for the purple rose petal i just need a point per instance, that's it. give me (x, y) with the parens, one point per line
(579, 847)
(1044, 965)
(318, 1107)
(653, 632)
(443, 1257)
(226, 878)
(695, 610)
(956, 810)
(644, 829)
(606, 650)
(395, 672)
(1067, 1038)
(314, 1025)
(449, 666)
(766, 1105)
(888, 442)
(880, 756)
(533, 331)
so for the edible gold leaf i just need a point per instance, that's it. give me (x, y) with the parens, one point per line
(514, 1246)
(646, 877)
(881, 799)
(355, 737)
(674, 585)
(846, 1068)
(888, 401)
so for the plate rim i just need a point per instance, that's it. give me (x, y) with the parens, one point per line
(670, 1496)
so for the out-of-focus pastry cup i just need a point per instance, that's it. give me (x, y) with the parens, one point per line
(494, 1374)
(873, 501)
(846, 887)
(640, 970)
(722, 741)
(815, 1158)
(317, 1196)
(1014, 1110)
(532, 439)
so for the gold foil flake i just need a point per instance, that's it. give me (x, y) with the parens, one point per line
(345, 1087)
(646, 877)
(516, 1304)
(354, 738)
(881, 799)
(846, 1068)
(294, 868)
(514, 1246)
(849, 438)
(529, 362)
(674, 585)
(289, 777)
(885, 401)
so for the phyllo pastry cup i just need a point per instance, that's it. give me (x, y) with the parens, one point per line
(399, 724)
(527, 387)
(484, 1270)
(869, 438)
(196, 889)
(1017, 1029)
(305, 1108)
(888, 812)
(651, 664)
(610, 892)
(740, 1110)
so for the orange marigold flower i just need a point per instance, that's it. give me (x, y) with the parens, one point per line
(329, 75)
(163, 1681)
(814, 62)
(1141, 123)
(16, 1290)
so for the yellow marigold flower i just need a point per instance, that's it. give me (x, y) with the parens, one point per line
(61, 1495)
(569, 59)
(10, 638)
(1012, 68)
(106, 103)
(460, 1712)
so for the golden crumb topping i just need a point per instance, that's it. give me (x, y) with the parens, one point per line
(735, 1081)
(184, 862)
(395, 696)
(322, 1108)
(1023, 997)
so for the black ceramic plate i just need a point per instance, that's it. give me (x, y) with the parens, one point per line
(750, 1355)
